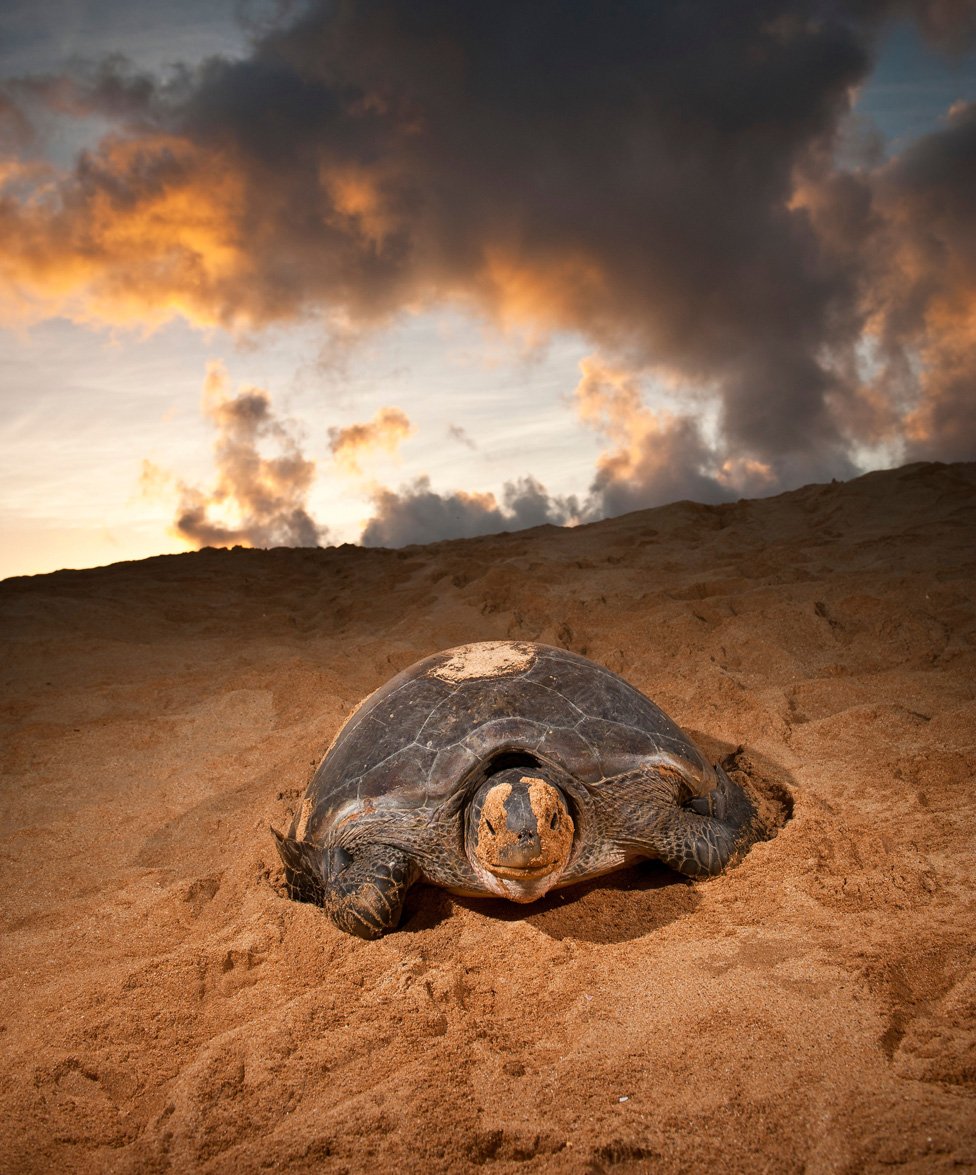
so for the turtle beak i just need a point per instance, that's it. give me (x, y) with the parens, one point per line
(521, 847)
(523, 850)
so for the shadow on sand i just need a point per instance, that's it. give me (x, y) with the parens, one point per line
(616, 908)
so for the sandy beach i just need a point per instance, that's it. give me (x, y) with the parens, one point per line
(165, 1007)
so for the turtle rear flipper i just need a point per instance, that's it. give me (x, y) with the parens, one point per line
(366, 897)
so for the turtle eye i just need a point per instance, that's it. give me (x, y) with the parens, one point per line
(555, 820)
(488, 826)
(703, 805)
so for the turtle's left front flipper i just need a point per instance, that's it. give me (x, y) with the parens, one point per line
(365, 897)
(667, 813)
(699, 836)
(697, 846)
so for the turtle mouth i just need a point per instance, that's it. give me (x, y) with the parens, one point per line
(516, 873)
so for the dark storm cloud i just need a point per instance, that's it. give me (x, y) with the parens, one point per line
(929, 195)
(656, 176)
(418, 514)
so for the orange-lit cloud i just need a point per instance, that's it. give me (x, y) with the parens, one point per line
(747, 477)
(653, 456)
(924, 297)
(357, 204)
(539, 292)
(257, 499)
(385, 432)
(146, 229)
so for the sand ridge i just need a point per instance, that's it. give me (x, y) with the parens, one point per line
(165, 1007)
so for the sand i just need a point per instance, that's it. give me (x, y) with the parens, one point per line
(165, 1007)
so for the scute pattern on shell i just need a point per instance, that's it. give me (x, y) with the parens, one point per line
(419, 738)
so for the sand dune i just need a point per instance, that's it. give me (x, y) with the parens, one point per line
(165, 1007)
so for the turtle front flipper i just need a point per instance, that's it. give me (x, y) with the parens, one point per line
(695, 845)
(365, 897)
(699, 836)
(669, 812)
(303, 872)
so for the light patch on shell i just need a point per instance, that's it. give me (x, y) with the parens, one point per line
(308, 807)
(487, 659)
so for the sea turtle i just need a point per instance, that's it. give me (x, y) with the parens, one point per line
(503, 768)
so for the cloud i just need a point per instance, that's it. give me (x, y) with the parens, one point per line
(259, 500)
(653, 457)
(925, 321)
(255, 500)
(948, 24)
(419, 514)
(457, 433)
(16, 132)
(386, 431)
(657, 177)
(139, 233)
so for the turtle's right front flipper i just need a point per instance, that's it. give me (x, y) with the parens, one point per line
(363, 894)
(303, 868)
(365, 897)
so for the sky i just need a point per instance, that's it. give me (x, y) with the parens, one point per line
(394, 271)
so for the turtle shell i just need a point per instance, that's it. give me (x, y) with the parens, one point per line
(436, 729)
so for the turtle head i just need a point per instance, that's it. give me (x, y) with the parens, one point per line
(519, 833)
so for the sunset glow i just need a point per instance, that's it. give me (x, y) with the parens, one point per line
(441, 274)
